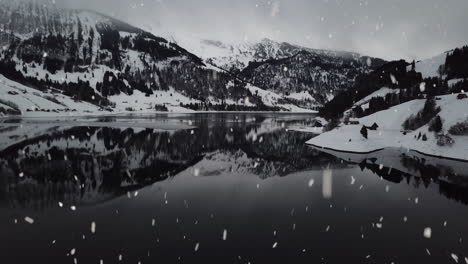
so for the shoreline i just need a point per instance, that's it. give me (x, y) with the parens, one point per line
(136, 114)
(390, 133)
(381, 149)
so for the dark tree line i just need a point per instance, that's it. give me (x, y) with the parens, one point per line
(227, 107)
(410, 86)
(456, 64)
(424, 116)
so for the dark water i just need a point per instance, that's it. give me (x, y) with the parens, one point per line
(219, 189)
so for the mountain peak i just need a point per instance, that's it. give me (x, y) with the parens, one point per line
(267, 40)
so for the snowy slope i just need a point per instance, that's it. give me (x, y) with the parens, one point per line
(349, 138)
(380, 93)
(430, 67)
(32, 102)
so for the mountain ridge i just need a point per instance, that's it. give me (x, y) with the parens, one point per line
(259, 63)
(98, 59)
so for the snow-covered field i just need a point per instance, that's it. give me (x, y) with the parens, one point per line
(348, 138)
(34, 103)
(272, 99)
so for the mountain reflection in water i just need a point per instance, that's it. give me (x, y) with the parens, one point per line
(89, 164)
(219, 188)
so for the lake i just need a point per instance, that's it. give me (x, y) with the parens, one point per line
(219, 188)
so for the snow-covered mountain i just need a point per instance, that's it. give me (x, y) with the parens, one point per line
(237, 56)
(310, 77)
(117, 67)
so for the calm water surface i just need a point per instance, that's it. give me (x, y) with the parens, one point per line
(219, 188)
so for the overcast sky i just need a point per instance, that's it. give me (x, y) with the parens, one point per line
(391, 29)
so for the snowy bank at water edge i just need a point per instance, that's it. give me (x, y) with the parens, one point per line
(454, 110)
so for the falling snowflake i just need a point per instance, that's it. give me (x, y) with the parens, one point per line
(93, 227)
(422, 87)
(428, 232)
(327, 184)
(29, 220)
(393, 79)
(224, 234)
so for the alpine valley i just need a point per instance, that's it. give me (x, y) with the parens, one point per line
(76, 62)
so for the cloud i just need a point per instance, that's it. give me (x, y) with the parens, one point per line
(275, 8)
(391, 29)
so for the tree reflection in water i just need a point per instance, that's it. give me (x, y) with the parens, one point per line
(87, 165)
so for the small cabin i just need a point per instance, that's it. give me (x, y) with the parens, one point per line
(354, 121)
(351, 121)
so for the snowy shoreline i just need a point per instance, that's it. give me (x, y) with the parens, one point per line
(146, 114)
(382, 149)
(390, 134)
(345, 151)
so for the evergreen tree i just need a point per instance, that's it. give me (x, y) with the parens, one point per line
(436, 125)
(364, 132)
